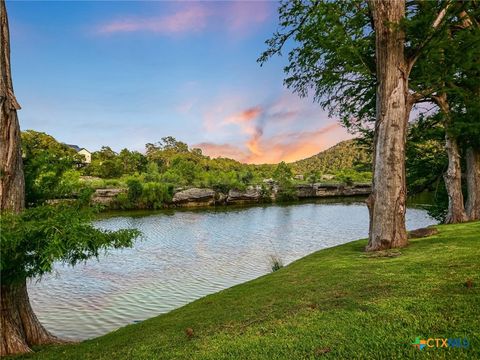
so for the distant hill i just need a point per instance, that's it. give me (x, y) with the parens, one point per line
(344, 155)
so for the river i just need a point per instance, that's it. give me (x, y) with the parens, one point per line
(185, 255)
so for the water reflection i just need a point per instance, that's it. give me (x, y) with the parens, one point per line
(185, 255)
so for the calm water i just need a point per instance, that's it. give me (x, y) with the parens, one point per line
(185, 255)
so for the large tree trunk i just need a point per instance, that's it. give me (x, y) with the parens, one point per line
(12, 183)
(387, 203)
(473, 183)
(20, 328)
(453, 177)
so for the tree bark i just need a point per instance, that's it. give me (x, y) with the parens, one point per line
(20, 328)
(387, 203)
(473, 183)
(12, 182)
(453, 176)
(453, 183)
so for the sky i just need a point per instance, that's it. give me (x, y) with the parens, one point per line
(123, 74)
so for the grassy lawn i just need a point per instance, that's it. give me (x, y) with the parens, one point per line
(338, 303)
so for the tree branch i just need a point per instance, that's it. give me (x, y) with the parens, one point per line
(436, 23)
(285, 37)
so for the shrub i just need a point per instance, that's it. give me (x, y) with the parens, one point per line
(223, 181)
(275, 263)
(155, 195)
(135, 190)
(123, 202)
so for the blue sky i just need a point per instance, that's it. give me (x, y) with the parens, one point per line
(126, 73)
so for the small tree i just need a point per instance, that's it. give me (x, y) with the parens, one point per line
(283, 176)
(32, 240)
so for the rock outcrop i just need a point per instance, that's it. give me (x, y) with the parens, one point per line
(106, 196)
(247, 196)
(330, 190)
(194, 197)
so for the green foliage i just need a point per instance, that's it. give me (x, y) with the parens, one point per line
(439, 209)
(48, 168)
(135, 190)
(349, 177)
(426, 157)
(222, 181)
(132, 162)
(155, 195)
(186, 168)
(152, 173)
(282, 172)
(313, 177)
(283, 176)
(347, 154)
(34, 240)
(332, 56)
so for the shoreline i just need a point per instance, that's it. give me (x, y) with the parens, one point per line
(302, 307)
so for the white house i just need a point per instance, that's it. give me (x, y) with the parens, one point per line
(87, 155)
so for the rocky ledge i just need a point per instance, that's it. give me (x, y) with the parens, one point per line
(106, 196)
(239, 197)
(202, 197)
(197, 197)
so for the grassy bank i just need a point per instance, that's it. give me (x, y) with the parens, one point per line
(338, 303)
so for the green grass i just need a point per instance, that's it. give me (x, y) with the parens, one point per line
(338, 303)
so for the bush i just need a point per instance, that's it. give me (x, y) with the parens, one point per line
(287, 192)
(155, 195)
(275, 263)
(349, 176)
(222, 181)
(135, 190)
(123, 202)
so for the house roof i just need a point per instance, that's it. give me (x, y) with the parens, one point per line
(74, 147)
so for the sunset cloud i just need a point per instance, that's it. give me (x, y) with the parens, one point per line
(283, 128)
(236, 17)
(289, 147)
(246, 121)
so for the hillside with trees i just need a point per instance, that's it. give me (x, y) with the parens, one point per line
(346, 155)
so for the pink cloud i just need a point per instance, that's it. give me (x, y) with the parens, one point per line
(246, 121)
(242, 15)
(245, 116)
(189, 19)
(237, 17)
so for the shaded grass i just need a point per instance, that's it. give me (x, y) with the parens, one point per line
(338, 303)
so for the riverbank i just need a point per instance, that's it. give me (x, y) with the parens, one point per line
(118, 198)
(336, 303)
